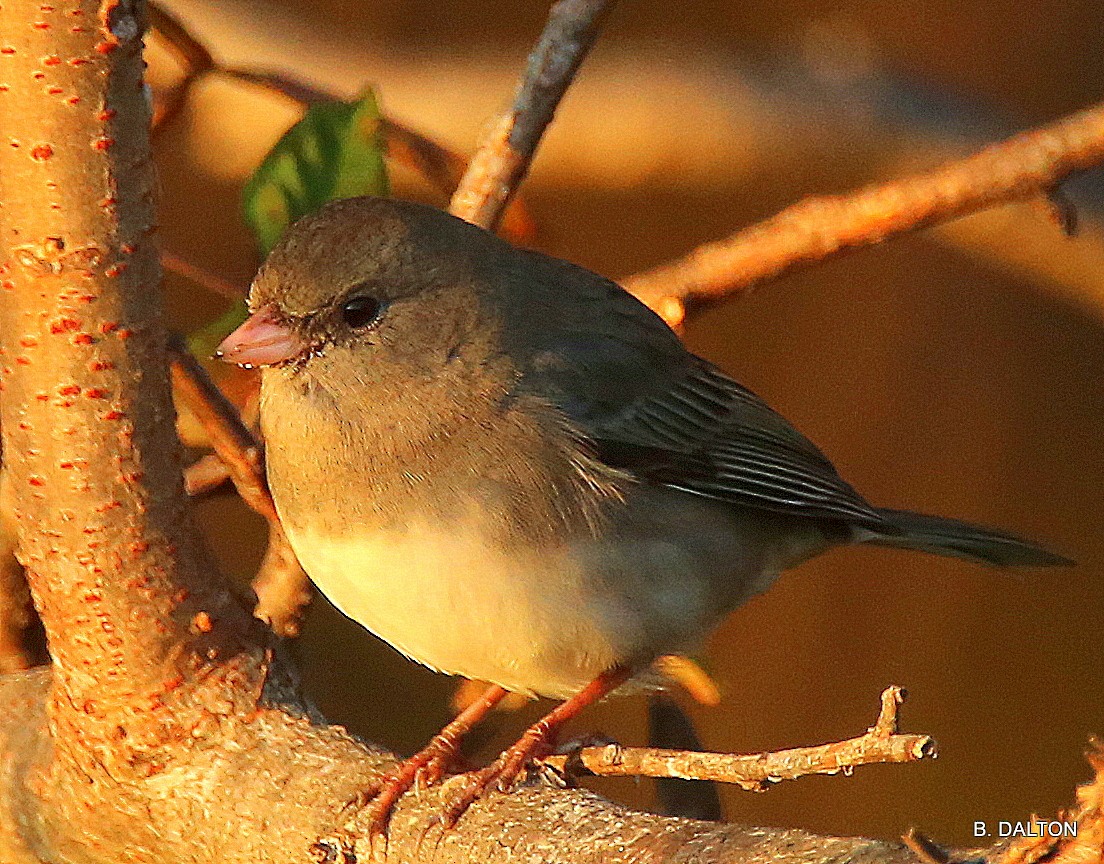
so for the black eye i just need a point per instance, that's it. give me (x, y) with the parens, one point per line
(361, 311)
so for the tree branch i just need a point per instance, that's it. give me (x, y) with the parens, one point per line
(503, 159)
(281, 586)
(881, 743)
(1029, 164)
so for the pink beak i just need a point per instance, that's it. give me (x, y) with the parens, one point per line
(261, 341)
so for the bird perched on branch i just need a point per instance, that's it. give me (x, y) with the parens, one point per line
(510, 469)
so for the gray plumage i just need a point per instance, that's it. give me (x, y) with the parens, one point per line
(516, 472)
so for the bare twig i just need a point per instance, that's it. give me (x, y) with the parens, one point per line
(200, 276)
(205, 475)
(503, 159)
(444, 169)
(925, 849)
(756, 772)
(1024, 166)
(234, 443)
(281, 586)
(193, 57)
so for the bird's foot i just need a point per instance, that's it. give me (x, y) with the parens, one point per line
(421, 771)
(503, 774)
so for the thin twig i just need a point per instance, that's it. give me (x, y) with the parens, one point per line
(281, 586)
(924, 848)
(229, 437)
(503, 159)
(756, 772)
(1029, 164)
(193, 57)
(200, 276)
(205, 475)
(444, 169)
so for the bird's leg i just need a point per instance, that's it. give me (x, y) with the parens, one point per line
(537, 741)
(428, 766)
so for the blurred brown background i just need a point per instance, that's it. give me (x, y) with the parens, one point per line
(959, 371)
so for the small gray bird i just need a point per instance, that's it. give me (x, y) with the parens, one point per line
(510, 469)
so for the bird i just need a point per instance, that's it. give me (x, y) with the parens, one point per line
(511, 470)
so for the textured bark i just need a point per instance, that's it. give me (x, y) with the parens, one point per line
(164, 731)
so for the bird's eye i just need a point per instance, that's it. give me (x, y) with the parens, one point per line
(361, 311)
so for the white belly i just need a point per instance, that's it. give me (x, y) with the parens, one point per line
(548, 623)
(447, 601)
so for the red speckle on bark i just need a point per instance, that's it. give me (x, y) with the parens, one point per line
(106, 47)
(114, 415)
(107, 627)
(41, 25)
(7, 50)
(102, 144)
(38, 76)
(100, 365)
(35, 480)
(181, 595)
(83, 339)
(42, 397)
(108, 326)
(138, 547)
(173, 683)
(76, 13)
(52, 60)
(108, 202)
(28, 341)
(69, 390)
(64, 403)
(115, 269)
(42, 152)
(54, 91)
(62, 325)
(108, 505)
(14, 144)
(79, 61)
(131, 477)
(106, 114)
(127, 248)
(73, 100)
(23, 361)
(96, 393)
(24, 425)
(7, 285)
(125, 333)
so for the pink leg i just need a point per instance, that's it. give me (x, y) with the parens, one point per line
(429, 765)
(537, 741)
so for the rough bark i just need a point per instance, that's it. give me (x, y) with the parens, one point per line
(164, 730)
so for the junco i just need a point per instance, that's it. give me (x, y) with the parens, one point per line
(510, 469)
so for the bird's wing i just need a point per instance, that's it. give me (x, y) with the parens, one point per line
(652, 409)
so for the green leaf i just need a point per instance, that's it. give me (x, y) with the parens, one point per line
(335, 151)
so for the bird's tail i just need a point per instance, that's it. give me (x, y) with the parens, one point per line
(957, 539)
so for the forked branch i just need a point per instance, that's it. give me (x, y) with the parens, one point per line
(881, 743)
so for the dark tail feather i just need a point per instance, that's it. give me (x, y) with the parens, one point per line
(957, 539)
